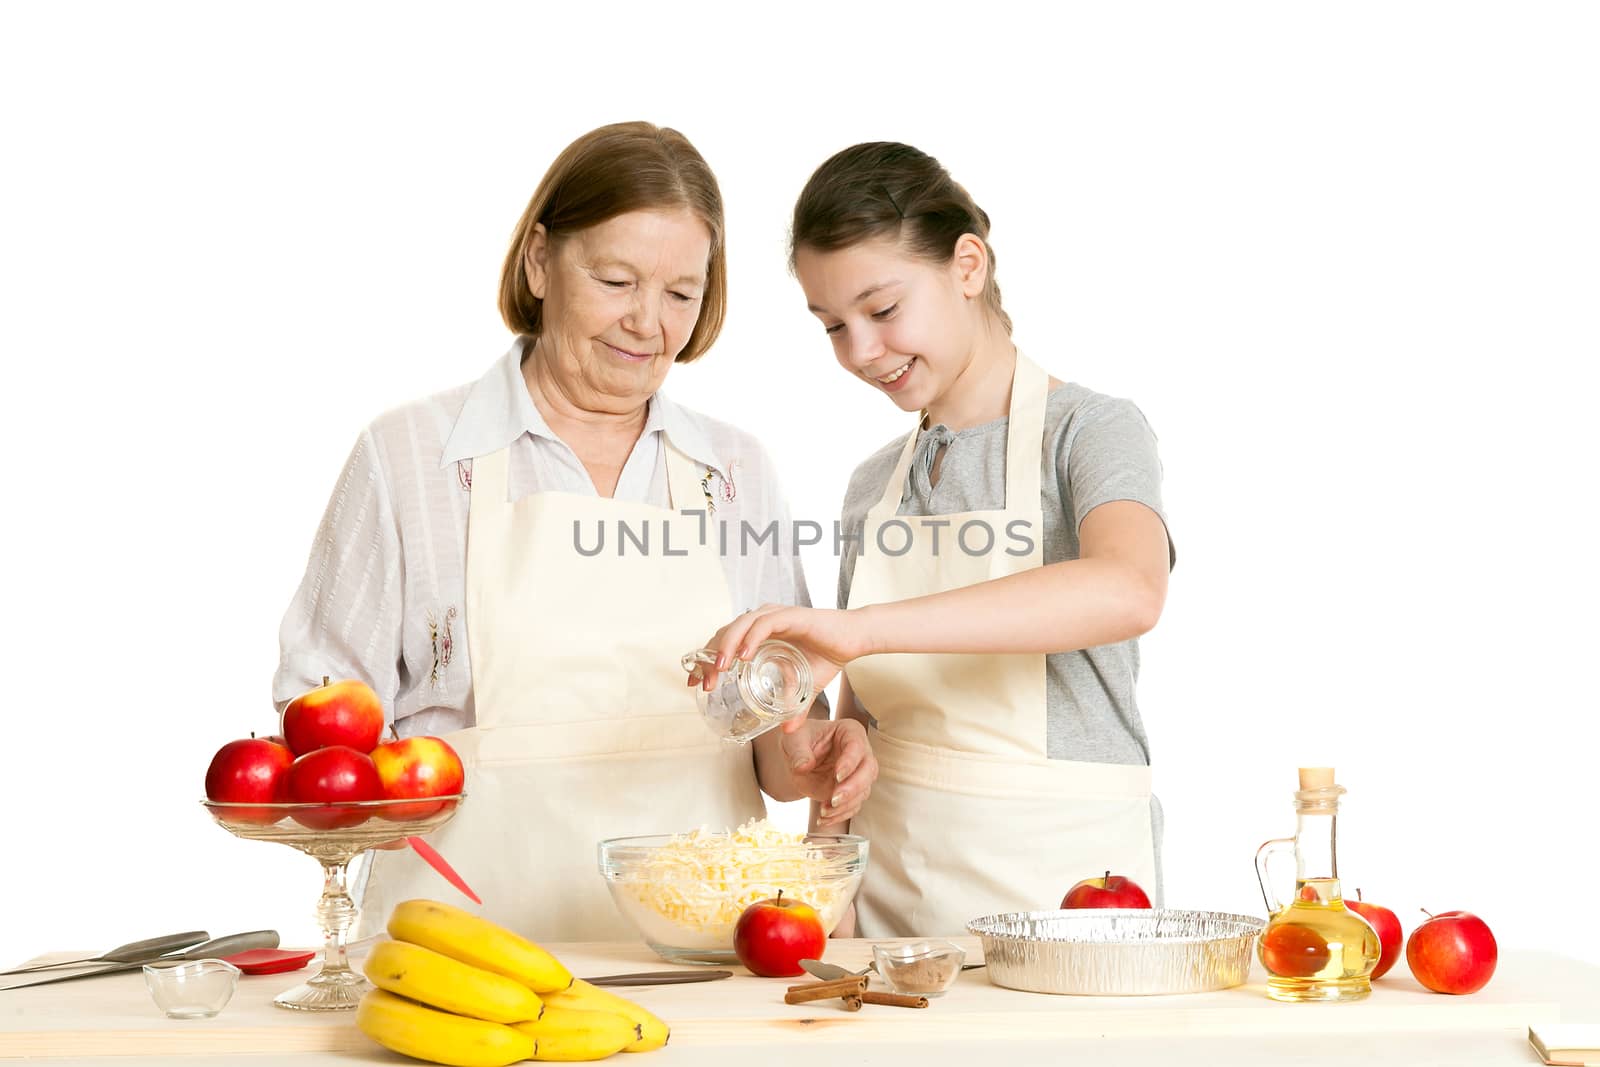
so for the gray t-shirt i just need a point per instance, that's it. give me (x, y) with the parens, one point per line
(1096, 449)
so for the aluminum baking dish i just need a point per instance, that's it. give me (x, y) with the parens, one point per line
(1117, 951)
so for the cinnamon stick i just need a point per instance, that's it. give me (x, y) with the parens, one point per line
(853, 1002)
(897, 1000)
(839, 987)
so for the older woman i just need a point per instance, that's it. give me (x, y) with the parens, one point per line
(455, 570)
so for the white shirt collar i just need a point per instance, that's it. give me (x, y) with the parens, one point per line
(498, 410)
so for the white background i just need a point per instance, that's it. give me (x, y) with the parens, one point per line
(1344, 258)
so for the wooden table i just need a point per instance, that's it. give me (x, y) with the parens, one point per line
(743, 1020)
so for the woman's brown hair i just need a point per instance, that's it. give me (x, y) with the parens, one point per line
(884, 189)
(610, 171)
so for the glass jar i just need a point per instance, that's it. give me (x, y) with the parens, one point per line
(753, 696)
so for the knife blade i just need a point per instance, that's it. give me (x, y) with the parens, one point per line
(431, 856)
(658, 978)
(829, 972)
(133, 950)
(216, 947)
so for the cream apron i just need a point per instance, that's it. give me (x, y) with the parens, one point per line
(968, 816)
(585, 729)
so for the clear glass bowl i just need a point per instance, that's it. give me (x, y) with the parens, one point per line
(334, 834)
(919, 968)
(197, 989)
(686, 904)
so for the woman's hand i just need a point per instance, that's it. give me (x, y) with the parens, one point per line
(832, 764)
(829, 639)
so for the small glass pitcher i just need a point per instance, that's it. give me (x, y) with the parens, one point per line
(1314, 948)
(754, 695)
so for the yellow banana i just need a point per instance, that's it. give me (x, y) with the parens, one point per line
(450, 985)
(479, 942)
(437, 1036)
(570, 1034)
(653, 1033)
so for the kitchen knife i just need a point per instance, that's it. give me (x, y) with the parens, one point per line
(217, 947)
(133, 950)
(659, 978)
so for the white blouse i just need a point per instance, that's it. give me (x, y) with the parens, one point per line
(384, 590)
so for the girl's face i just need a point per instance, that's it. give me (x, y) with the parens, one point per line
(904, 325)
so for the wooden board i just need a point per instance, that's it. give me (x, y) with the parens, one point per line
(115, 1017)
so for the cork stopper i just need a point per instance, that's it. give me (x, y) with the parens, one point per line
(1318, 794)
(1316, 777)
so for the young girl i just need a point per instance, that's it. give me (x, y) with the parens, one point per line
(1010, 551)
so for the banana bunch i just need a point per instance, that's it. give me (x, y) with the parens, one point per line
(457, 989)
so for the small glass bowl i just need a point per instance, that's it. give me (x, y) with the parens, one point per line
(919, 968)
(195, 989)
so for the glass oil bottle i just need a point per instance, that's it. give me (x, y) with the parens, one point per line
(1314, 948)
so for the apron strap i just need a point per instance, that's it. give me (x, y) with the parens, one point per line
(683, 479)
(491, 472)
(1030, 391)
(1030, 388)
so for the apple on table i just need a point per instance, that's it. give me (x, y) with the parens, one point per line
(1108, 891)
(1452, 952)
(1387, 925)
(773, 936)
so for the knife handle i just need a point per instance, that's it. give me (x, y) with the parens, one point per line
(227, 946)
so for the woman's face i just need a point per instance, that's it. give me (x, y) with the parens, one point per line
(620, 301)
(898, 322)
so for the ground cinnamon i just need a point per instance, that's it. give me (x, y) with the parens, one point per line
(930, 975)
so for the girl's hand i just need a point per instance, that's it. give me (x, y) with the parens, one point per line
(829, 640)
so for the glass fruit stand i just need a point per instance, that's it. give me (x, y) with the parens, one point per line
(334, 834)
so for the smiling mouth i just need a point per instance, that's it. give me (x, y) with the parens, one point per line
(890, 379)
(625, 354)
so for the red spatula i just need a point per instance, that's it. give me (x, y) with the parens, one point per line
(431, 856)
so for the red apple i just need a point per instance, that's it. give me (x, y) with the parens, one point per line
(1387, 924)
(1110, 891)
(250, 771)
(417, 767)
(1290, 950)
(773, 936)
(344, 713)
(1452, 952)
(334, 775)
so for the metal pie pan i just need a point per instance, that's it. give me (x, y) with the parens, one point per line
(1117, 951)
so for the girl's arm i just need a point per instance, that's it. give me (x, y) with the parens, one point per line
(1114, 591)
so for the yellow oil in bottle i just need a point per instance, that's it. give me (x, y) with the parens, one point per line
(1313, 947)
(1316, 948)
